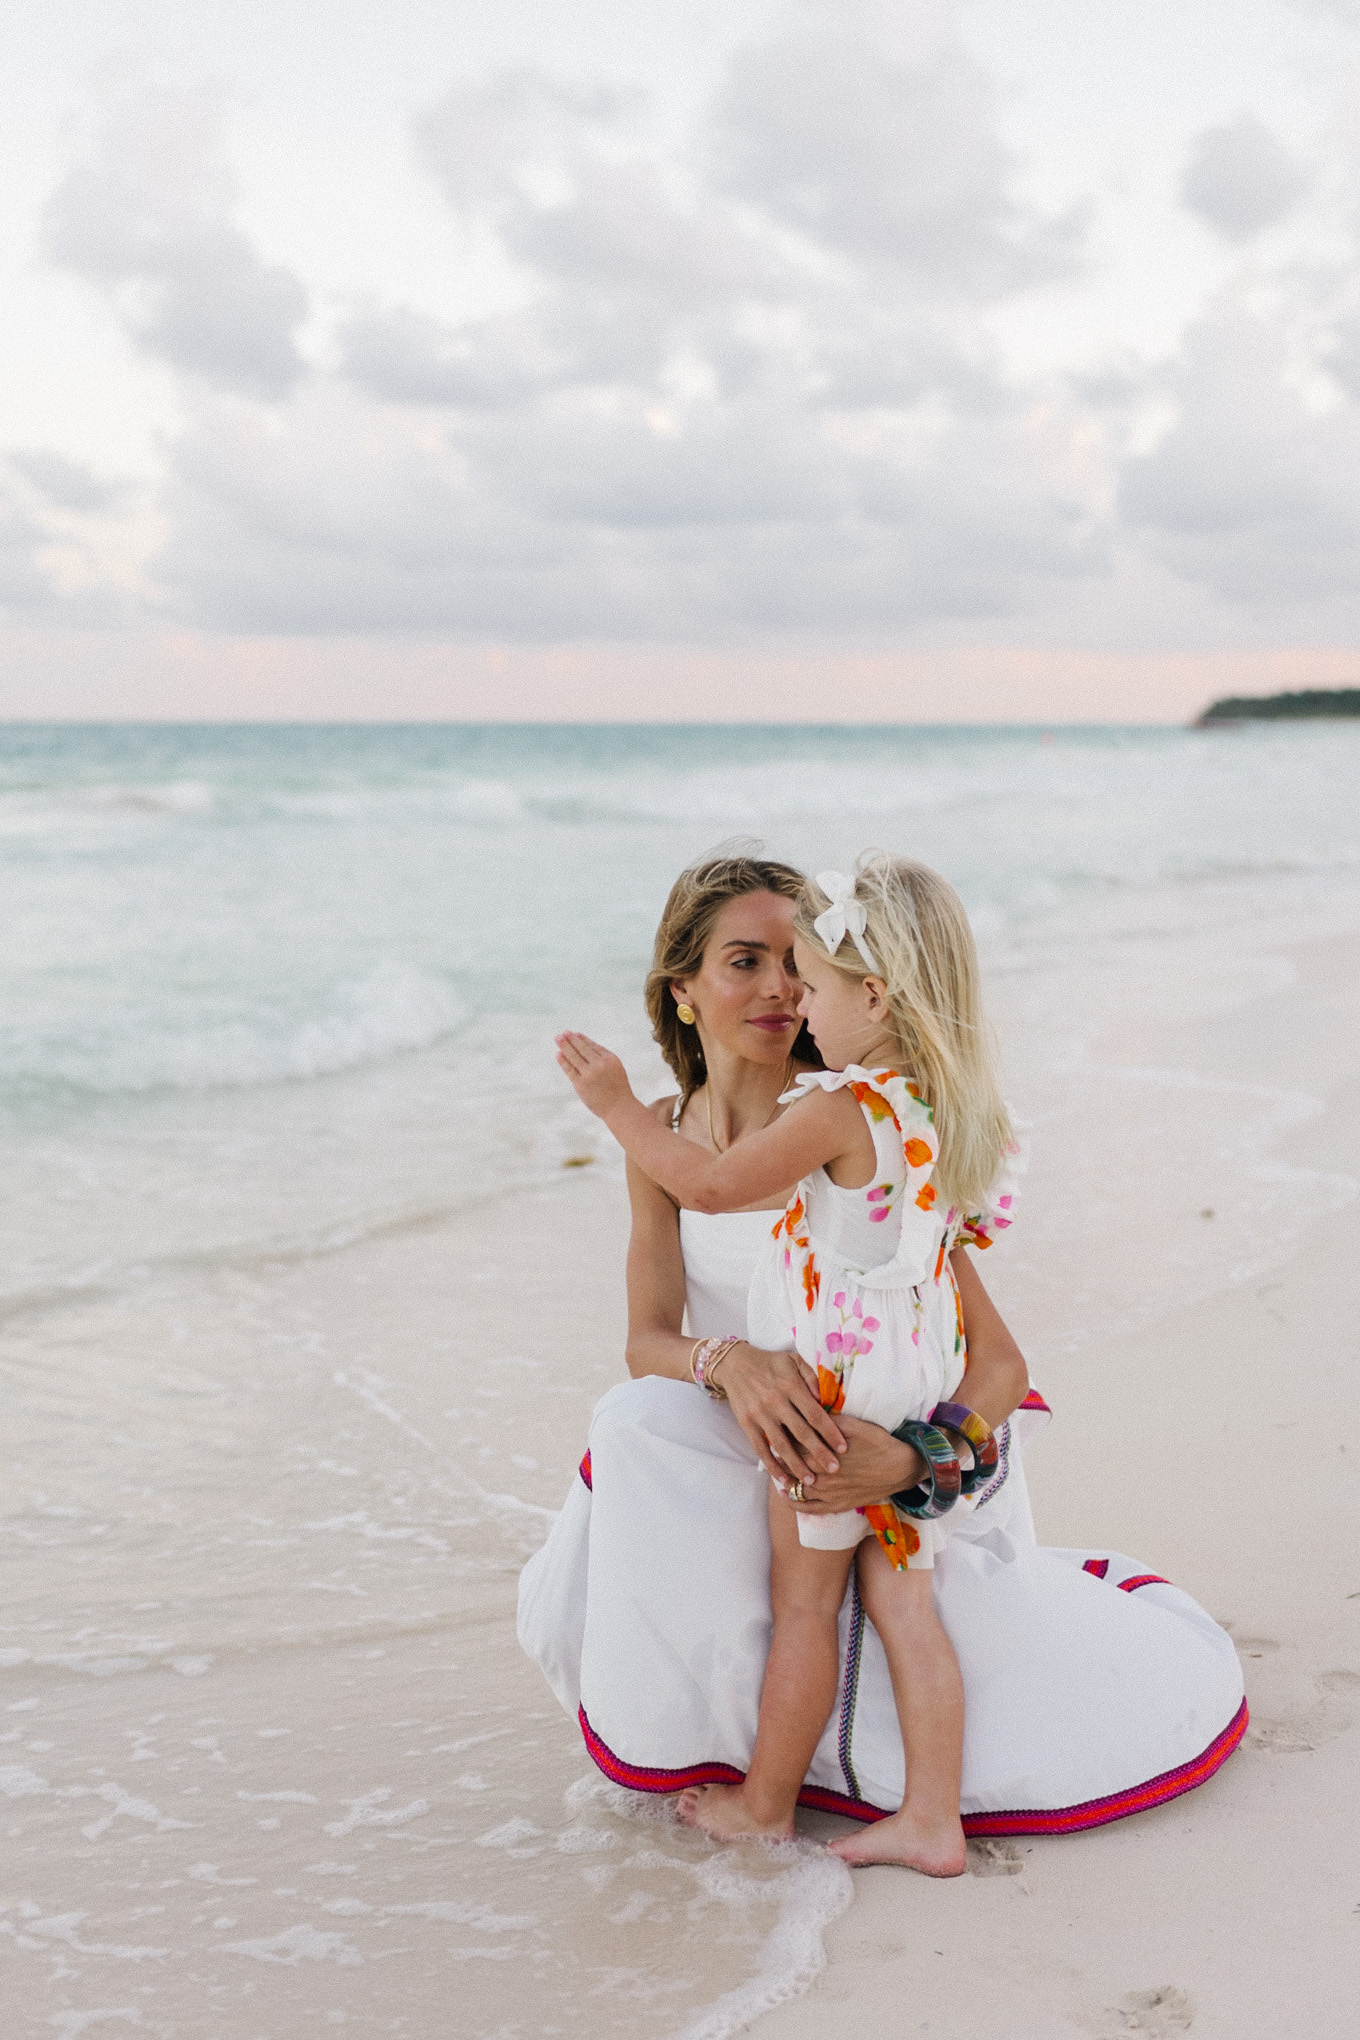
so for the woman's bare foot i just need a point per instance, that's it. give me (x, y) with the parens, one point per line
(937, 1848)
(723, 1812)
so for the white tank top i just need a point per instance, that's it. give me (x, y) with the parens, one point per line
(719, 1250)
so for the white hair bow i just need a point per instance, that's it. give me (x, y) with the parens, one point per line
(845, 916)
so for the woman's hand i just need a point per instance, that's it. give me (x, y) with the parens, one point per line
(873, 1466)
(774, 1399)
(597, 1076)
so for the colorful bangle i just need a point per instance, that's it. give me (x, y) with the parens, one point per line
(704, 1358)
(939, 1492)
(953, 1416)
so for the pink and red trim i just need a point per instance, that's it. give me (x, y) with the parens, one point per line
(1061, 1820)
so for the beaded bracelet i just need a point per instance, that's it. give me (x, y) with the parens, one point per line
(953, 1416)
(942, 1469)
(704, 1357)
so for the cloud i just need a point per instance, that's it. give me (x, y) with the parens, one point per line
(147, 219)
(66, 484)
(569, 525)
(24, 589)
(894, 162)
(723, 398)
(1241, 179)
(1254, 493)
(744, 380)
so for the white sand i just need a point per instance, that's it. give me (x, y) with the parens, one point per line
(273, 1761)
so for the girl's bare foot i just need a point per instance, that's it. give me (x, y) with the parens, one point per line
(937, 1848)
(723, 1812)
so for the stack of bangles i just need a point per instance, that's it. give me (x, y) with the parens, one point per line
(703, 1363)
(945, 1479)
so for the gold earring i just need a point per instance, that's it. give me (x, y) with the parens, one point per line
(685, 1014)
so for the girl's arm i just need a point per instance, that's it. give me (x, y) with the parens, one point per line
(819, 1130)
(773, 1396)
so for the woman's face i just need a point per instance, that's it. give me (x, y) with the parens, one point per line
(746, 991)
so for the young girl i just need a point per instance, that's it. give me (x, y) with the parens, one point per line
(902, 1135)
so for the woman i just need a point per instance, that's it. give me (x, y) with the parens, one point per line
(1093, 1689)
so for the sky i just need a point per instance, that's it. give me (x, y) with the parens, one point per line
(772, 360)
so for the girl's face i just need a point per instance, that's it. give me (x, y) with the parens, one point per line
(745, 993)
(845, 1015)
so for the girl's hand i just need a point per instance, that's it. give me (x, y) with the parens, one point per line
(773, 1397)
(873, 1466)
(597, 1076)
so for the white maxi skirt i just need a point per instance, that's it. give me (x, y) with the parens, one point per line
(1093, 1689)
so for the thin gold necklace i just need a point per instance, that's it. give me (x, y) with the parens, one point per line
(708, 1101)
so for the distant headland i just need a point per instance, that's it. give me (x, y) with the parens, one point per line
(1309, 705)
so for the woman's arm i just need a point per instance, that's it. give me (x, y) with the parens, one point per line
(996, 1379)
(773, 1395)
(995, 1382)
(656, 1284)
(818, 1130)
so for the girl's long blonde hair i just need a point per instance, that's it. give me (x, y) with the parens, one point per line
(919, 935)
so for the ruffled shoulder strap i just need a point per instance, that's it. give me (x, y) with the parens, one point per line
(884, 1094)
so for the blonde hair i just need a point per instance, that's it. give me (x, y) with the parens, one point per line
(686, 928)
(918, 932)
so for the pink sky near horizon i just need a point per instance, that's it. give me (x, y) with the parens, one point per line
(182, 676)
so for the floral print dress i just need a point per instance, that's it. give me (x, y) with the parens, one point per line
(861, 1279)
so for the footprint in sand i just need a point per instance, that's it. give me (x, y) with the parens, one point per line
(1278, 1738)
(994, 1859)
(1306, 1728)
(1160, 2012)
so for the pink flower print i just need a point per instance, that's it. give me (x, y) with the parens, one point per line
(1003, 1203)
(878, 1198)
(852, 1339)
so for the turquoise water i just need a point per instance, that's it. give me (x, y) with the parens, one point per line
(193, 908)
(263, 982)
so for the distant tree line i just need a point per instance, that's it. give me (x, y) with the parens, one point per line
(1309, 704)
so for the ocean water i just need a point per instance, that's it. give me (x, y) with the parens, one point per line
(297, 1356)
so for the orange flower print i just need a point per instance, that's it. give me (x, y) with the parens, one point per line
(917, 1153)
(830, 1390)
(812, 1282)
(925, 1196)
(874, 1104)
(899, 1538)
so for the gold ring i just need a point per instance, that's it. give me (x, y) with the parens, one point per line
(795, 1491)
